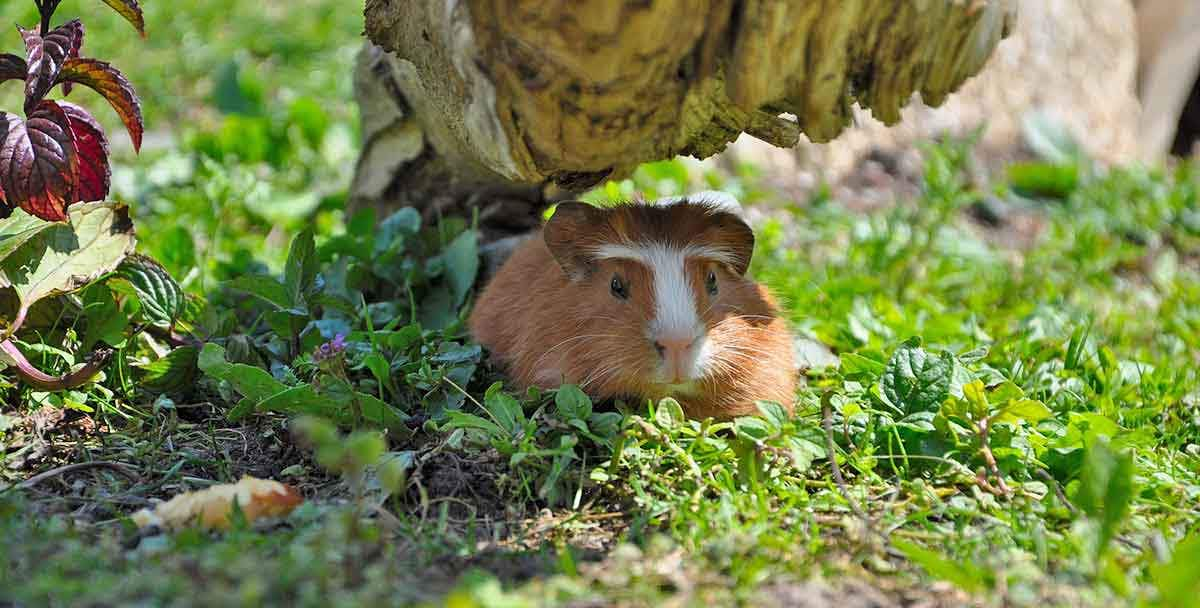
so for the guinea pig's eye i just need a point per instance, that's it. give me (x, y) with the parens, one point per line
(710, 283)
(619, 289)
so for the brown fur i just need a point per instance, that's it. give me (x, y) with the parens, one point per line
(551, 319)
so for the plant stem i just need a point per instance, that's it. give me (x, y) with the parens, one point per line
(43, 381)
(46, 8)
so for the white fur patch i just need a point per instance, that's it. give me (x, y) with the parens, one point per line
(675, 311)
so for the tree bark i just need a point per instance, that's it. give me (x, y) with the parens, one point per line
(505, 104)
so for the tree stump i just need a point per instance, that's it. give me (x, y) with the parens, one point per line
(503, 105)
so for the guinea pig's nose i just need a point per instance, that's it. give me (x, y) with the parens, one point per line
(669, 347)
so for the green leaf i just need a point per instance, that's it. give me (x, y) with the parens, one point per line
(304, 399)
(774, 414)
(976, 397)
(964, 575)
(753, 428)
(1004, 392)
(132, 13)
(17, 229)
(161, 297)
(461, 258)
(1178, 581)
(105, 321)
(1043, 179)
(176, 249)
(263, 287)
(853, 364)
(1029, 410)
(460, 420)
(252, 382)
(379, 367)
(175, 372)
(300, 272)
(403, 223)
(505, 410)
(572, 403)
(67, 256)
(1105, 489)
(311, 118)
(804, 452)
(916, 380)
(669, 414)
(605, 424)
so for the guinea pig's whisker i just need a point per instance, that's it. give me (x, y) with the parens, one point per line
(569, 340)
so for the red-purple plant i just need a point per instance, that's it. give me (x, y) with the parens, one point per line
(57, 155)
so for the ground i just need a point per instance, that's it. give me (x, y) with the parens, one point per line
(1003, 364)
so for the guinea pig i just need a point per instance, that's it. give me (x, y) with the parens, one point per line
(641, 301)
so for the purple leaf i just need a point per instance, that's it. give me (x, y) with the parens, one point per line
(12, 67)
(46, 55)
(110, 83)
(38, 163)
(92, 148)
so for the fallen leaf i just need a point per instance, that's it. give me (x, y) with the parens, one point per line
(212, 508)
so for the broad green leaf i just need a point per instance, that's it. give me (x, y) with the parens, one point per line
(173, 373)
(161, 297)
(804, 452)
(105, 321)
(964, 575)
(403, 223)
(1105, 489)
(1178, 581)
(300, 272)
(65, 257)
(176, 249)
(312, 119)
(774, 414)
(1005, 391)
(461, 420)
(461, 258)
(605, 424)
(304, 399)
(916, 380)
(669, 414)
(437, 310)
(1044, 179)
(264, 288)
(976, 399)
(572, 403)
(252, 382)
(1029, 410)
(505, 410)
(853, 364)
(379, 367)
(18, 228)
(753, 428)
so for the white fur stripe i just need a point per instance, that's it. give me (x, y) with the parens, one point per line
(674, 302)
(641, 253)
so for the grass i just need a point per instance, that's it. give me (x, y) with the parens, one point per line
(1014, 420)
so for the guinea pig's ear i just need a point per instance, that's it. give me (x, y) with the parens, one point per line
(566, 232)
(731, 234)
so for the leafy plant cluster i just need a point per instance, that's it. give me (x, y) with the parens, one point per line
(58, 155)
(1018, 419)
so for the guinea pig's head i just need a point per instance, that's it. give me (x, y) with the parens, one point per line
(653, 283)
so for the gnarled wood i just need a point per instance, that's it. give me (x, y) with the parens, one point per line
(527, 97)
